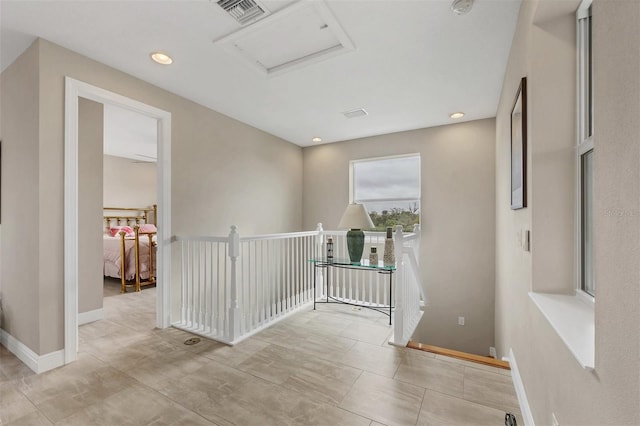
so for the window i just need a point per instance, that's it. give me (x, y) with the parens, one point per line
(585, 151)
(389, 188)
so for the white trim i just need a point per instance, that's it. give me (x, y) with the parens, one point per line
(585, 146)
(37, 363)
(585, 297)
(573, 319)
(376, 200)
(245, 336)
(71, 92)
(387, 157)
(527, 415)
(584, 142)
(163, 302)
(90, 316)
(583, 9)
(75, 89)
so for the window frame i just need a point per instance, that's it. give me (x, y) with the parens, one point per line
(387, 157)
(585, 134)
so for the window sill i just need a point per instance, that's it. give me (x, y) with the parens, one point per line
(572, 317)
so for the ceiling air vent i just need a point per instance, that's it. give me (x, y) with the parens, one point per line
(298, 35)
(242, 11)
(360, 112)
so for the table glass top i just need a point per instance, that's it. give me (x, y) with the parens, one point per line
(346, 262)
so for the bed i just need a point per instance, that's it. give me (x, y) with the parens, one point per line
(129, 245)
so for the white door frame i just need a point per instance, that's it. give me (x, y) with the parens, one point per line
(75, 89)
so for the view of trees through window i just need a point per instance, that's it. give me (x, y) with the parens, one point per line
(390, 190)
(407, 217)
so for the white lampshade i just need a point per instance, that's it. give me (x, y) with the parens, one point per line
(355, 217)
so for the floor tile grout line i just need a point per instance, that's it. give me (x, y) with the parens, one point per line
(424, 395)
(466, 400)
(34, 404)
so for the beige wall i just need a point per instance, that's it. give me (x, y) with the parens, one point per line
(129, 183)
(457, 212)
(90, 136)
(544, 51)
(20, 209)
(223, 172)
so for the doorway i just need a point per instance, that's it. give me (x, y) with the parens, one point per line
(74, 90)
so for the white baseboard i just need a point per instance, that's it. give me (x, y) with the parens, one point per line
(91, 316)
(527, 415)
(38, 363)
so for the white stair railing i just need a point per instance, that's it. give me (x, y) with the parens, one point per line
(232, 287)
(409, 294)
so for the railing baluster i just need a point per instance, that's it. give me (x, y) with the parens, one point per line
(198, 294)
(255, 309)
(285, 273)
(273, 277)
(264, 284)
(370, 293)
(209, 284)
(225, 321)
(218, 295)
(183, 283)
(191, 304)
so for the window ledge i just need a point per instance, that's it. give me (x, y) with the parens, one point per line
(573, 319)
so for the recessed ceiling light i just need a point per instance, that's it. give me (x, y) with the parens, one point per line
(161, 58)
(457, 115)
(316, 139)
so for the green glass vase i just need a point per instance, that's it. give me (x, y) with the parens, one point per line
(355, 244)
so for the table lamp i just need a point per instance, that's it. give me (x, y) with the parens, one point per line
(355, 218)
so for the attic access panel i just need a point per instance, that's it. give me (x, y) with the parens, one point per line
(302, 34)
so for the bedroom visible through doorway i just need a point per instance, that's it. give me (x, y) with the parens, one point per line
(84, 203)
(130, 197)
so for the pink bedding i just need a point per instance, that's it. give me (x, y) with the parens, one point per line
(112, 263)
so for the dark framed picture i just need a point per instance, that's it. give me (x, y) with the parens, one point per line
(519, 148)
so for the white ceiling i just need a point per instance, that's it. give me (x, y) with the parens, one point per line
(130, 134)
(414, 61)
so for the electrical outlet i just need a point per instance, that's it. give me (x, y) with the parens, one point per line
(460, 320)
(492, 352)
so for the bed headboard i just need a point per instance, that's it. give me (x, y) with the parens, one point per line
(115, 216)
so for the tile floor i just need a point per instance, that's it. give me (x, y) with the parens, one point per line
(112, 287)
(327, 367)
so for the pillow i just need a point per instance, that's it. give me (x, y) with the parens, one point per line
(148, 228)
(114, 231)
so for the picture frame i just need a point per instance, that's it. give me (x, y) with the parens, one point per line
(519, 148)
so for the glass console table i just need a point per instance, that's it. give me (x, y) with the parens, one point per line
(328, 264)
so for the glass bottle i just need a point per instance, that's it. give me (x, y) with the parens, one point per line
(373, 257)
(389, 258)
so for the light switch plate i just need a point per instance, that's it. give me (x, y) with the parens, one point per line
(526, 240)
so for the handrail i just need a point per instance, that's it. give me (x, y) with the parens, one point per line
(280, 236)
(200, 238)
